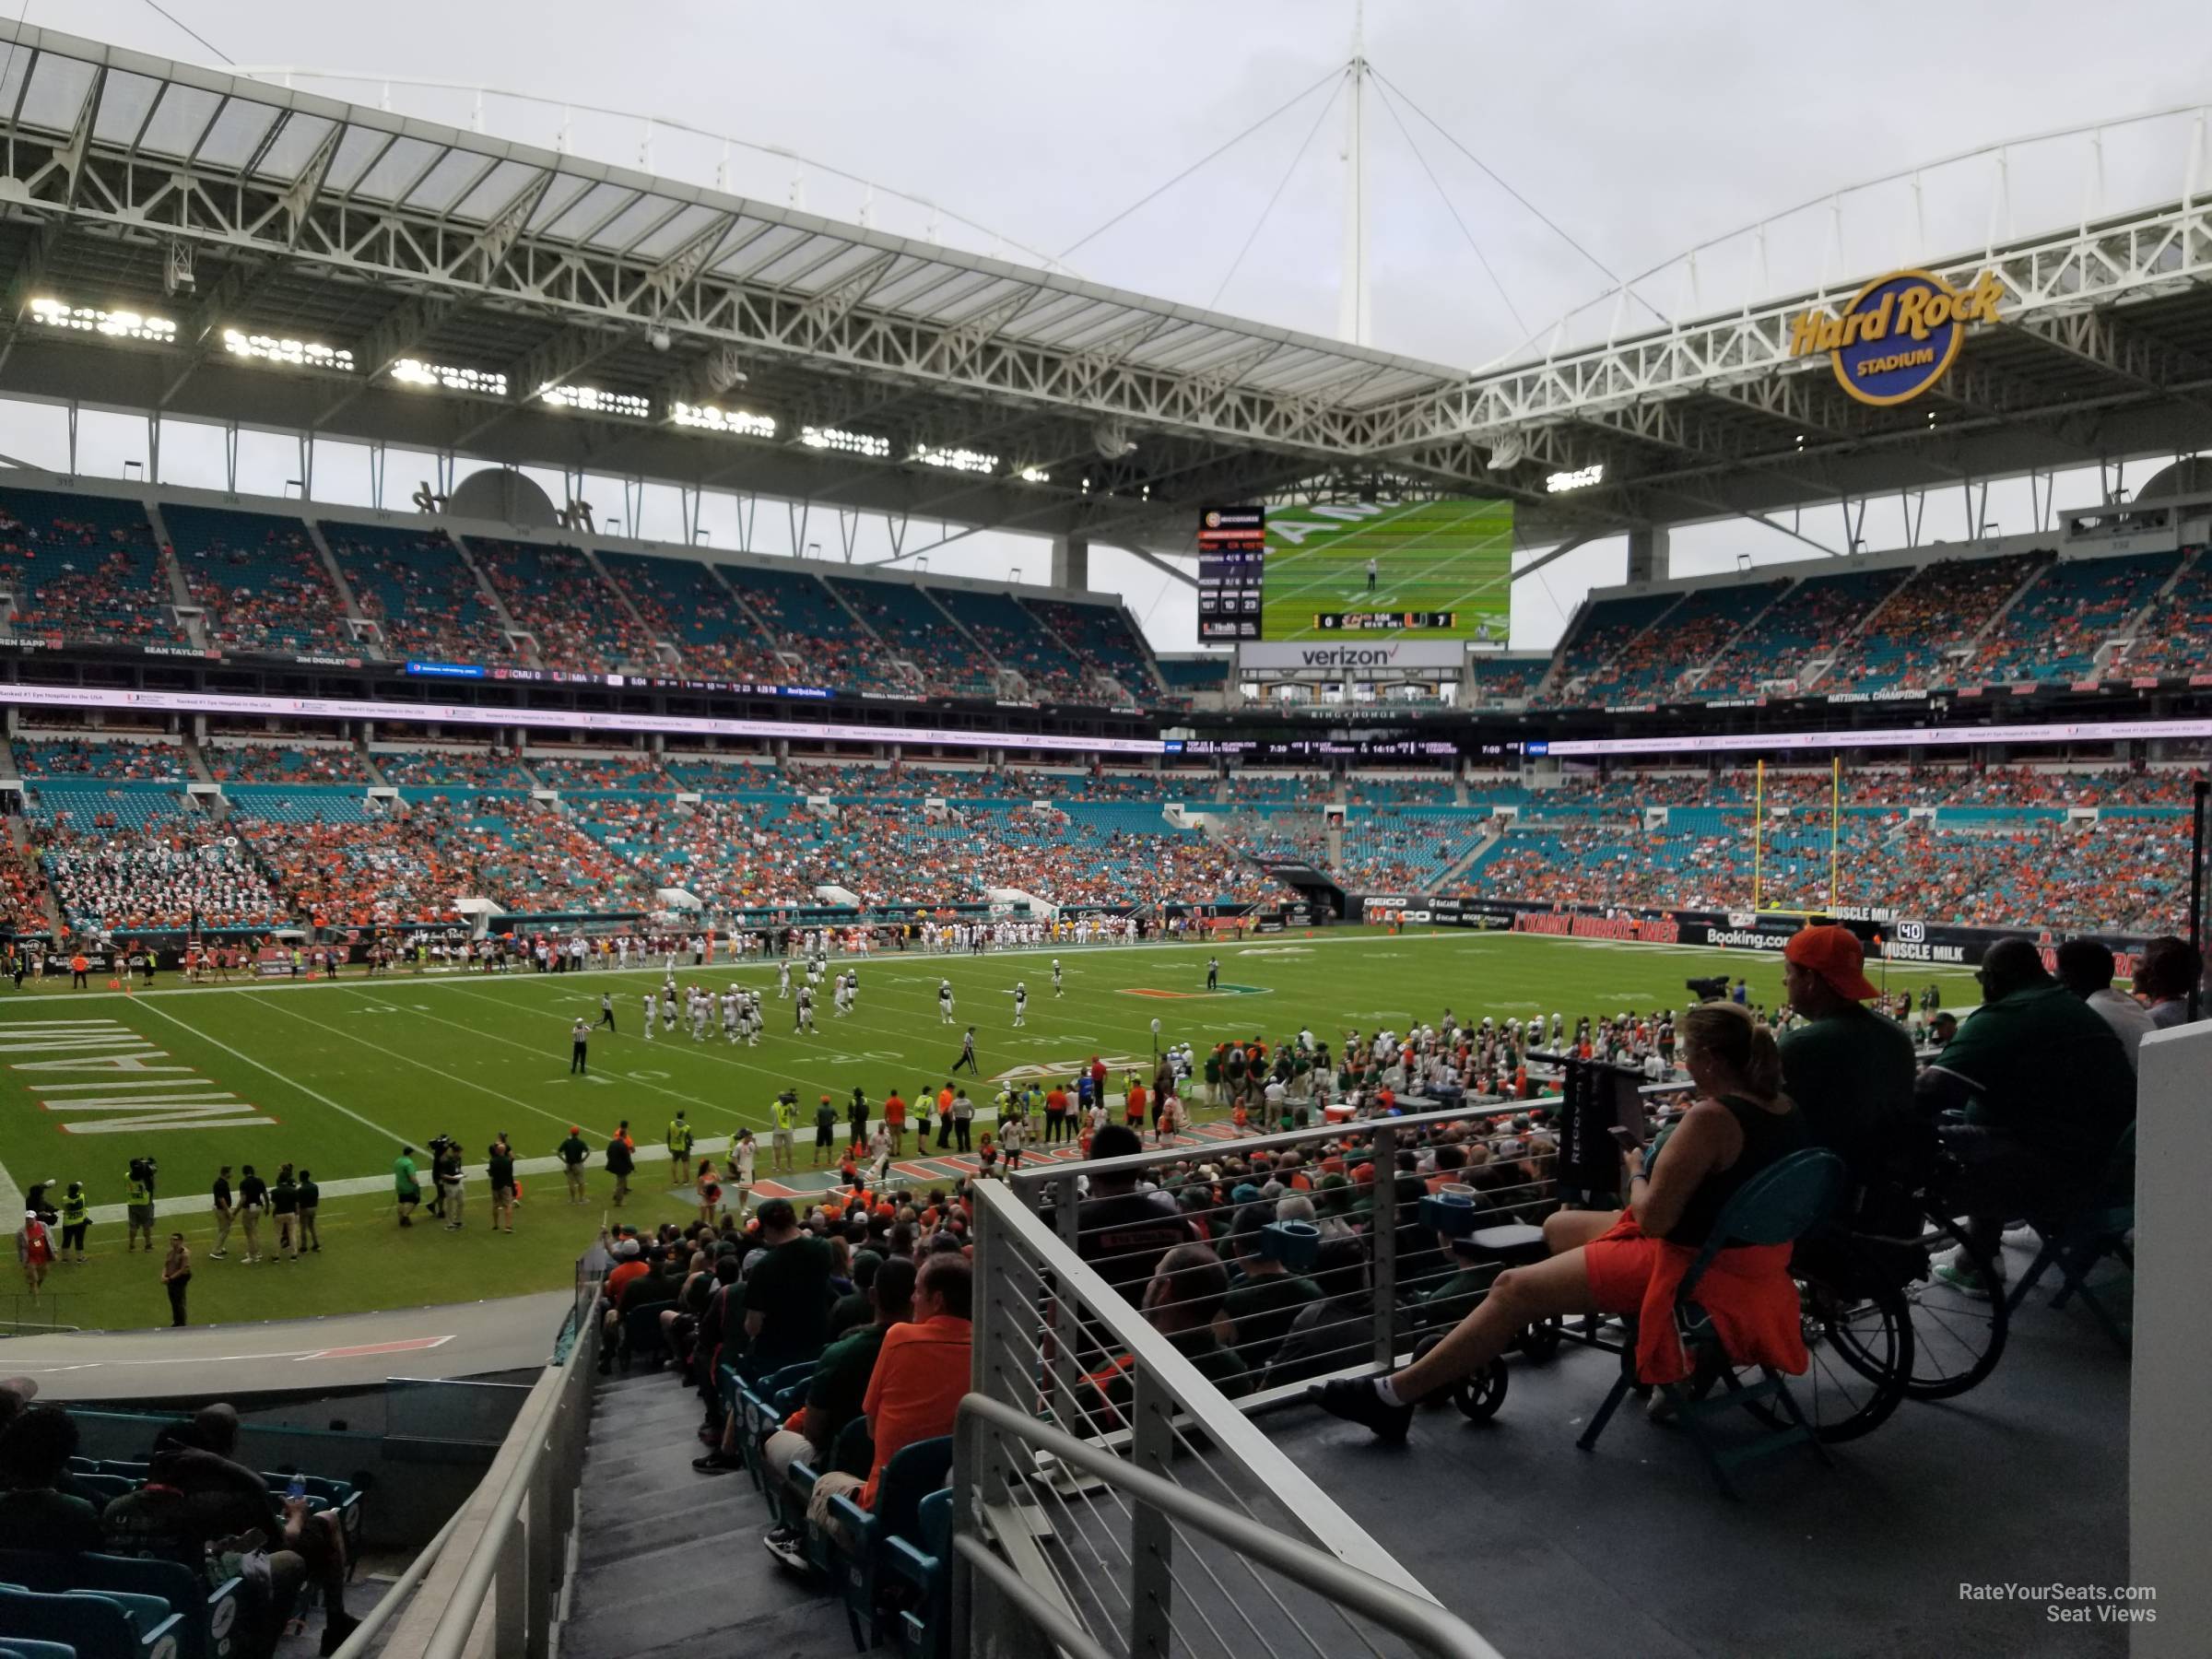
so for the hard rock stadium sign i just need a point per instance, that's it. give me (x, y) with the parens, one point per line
(1899, 334)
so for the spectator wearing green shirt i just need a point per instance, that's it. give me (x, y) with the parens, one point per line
(2041, 1089)
(833, 1397)
(1267, 1298)
(406, 1184)
(1850, 1070)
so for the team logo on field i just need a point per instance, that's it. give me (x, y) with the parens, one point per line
(1899, 334)
(1045, 1071)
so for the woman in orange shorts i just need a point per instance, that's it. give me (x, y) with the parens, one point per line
(1604, 1261)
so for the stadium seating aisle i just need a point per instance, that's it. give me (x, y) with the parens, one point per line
(683, 604)
(259, 580)
(84, 568)
(667, 1567)
(804, 618)
(1918, 637)
(579, 623)
(1099, 637)
(914, 627)
(2053, 635)
(1018, 641)
(411, 582)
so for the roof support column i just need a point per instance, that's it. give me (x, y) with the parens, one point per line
(1648, 554)
(1071, 562)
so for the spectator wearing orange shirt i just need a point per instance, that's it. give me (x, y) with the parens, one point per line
(920, 1374)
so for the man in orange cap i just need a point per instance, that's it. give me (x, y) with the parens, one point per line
(1850, 1069)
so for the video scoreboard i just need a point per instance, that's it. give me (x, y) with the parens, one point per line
(1232, 554)
(1438, 570)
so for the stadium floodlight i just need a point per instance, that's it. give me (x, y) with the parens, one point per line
(283, 349)
(99, 320)
(1581, 477)
(1034, 475)
(449, 377)
(591, 400)
(851, 443)
(957, 460)
(732, 423)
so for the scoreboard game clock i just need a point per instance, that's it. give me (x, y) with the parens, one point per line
(1232, 554)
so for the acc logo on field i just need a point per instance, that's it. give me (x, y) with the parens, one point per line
(1899, 334)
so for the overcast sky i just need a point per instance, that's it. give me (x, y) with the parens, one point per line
(1639, 130)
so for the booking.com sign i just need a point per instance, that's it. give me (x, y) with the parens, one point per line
(1899, 334)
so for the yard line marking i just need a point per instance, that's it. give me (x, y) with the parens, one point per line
(290, 1082)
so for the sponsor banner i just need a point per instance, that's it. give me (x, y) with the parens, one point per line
(1383, 656)
(1650, 930)
(1899, 334)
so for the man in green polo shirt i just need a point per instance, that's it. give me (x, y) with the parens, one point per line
(1850, 1070)
(2042, 1090)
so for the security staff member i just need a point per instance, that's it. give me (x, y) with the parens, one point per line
(679, 1150)
(784, 1117)
(75, 1217)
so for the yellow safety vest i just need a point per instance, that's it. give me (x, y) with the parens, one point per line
(679, 1137)
(73, 1211)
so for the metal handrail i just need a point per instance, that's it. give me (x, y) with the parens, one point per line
(1394, 1609)
(388, 1605)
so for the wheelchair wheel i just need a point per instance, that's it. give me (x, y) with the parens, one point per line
(1957, 1339)
(1479, 1397)
(1861, 1350)
(1541, 1341)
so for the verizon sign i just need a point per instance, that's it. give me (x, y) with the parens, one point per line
(1383, 656)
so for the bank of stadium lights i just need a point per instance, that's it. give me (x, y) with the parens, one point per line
(283, 349)
(1034, 475)
(449, 377)
(591, 400)
(1581, 477)
(99, 320)
(732, 423)
(851, 443)
(957, 460)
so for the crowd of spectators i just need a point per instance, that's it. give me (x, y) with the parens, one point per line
(597, 772)
(579, 623)
(2054, 630)
(111, 759)
(805, 619)
(451, 768)
(83, 568)
(1018, 641)
(913, 627)
(2176, 637)
(425, 600)
(686, 603)
(1916, 640)
(1649, 665)
(304, 763)
(259, 581)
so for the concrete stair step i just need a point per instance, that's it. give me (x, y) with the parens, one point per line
(623, 1533)
(705, 1591)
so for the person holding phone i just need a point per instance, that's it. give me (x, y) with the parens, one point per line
(1629, 1261)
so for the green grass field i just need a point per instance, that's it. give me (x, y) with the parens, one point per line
(1430, 556)
(336, 1076)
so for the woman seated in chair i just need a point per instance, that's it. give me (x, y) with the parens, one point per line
(1629, 1261)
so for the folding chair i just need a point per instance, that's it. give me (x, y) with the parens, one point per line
(1776, 1207)
(2076, 1244)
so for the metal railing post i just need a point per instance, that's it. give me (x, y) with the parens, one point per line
(1383, 1239)
(509, 1593)
(544, 1546)
(1151, 1533)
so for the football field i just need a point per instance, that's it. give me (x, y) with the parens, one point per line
(1430, 556)
(336, 1076)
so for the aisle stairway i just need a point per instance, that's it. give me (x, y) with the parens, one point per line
(669, 1563)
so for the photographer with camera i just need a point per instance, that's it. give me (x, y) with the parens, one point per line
(139, 1204)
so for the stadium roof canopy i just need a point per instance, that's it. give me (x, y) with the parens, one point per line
(911, 379)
